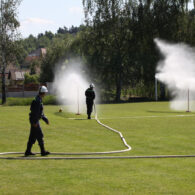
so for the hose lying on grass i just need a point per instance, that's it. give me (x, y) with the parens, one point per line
(82, 153)
(93, 153)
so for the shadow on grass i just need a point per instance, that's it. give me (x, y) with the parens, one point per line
(70, 115)
(79, 119)
(62, 114)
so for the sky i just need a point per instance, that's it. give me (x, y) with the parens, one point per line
(38, 16)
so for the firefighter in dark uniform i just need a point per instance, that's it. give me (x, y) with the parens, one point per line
(90, 96)
(35, 115)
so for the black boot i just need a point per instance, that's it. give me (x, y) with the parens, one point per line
(43, 152)
(29, 153)
(28, 150)
(89, 117)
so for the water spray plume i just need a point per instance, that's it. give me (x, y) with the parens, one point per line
(177, 71)
(70, 85)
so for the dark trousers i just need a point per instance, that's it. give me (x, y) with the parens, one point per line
(89, 107)
(35, 134)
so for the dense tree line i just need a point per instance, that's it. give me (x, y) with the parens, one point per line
(117, 43)
(42, 40)
(123, 32)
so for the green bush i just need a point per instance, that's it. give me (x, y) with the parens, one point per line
(31, 78)
(48, 100)
(18, 101)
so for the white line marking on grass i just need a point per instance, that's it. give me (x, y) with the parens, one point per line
(94, 157)
(128, 148)
(136, 117)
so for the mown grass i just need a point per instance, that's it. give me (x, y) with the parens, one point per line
(153, 129)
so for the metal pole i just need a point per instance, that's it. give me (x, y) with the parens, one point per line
(23, 88)
(188, 110)
(156, 89)
(78, 101)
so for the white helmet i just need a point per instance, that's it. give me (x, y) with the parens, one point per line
(91, 85)
(43, 89)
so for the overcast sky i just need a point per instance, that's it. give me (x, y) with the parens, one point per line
(37, 16)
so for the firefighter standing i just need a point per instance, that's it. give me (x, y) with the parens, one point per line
(35, 115)
(90, 96)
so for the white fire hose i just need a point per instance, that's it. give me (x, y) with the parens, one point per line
(128, 148)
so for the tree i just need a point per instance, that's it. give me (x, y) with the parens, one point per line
(110, 37)
(8, 35)
(43, 42)
(57, 51)
(62, 30)
(165, 19)
(49, 34)
(29, 79)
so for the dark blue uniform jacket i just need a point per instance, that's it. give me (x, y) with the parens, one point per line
(37, 111)
(90, 95)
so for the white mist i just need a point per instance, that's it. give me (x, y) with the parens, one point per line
(177, 72)
(70, 84)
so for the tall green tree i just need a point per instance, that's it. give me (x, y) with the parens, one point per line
(56, 53)
(8, 36)
(117, 43)
(110, 36)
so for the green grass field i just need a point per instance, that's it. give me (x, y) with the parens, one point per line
(149, 128)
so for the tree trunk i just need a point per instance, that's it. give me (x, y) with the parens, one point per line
(3, 78)
(118, 87)
(3, 87)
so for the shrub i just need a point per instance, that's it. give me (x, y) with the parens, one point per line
(18, 101)
(48, 100)
(31, 78)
